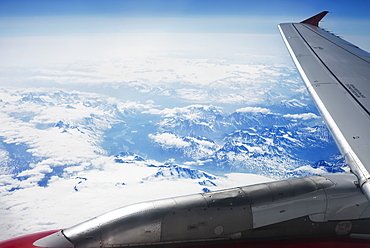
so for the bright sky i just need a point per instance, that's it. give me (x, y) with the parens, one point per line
(20, 19)
(43, 17)
(356, 8)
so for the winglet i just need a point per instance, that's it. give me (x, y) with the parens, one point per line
(315, 19)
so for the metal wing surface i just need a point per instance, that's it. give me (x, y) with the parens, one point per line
(337, 75)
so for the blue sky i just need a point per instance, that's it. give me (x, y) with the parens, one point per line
(42, 17)
(352, 9)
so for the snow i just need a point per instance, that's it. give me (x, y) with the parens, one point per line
(111, 120)
(105, 189)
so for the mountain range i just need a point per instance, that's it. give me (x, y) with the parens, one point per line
(75, 129)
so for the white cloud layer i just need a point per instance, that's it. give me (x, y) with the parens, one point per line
(254, 110)
(304, 116)
(192, 67)
(35, 209)
(64, 131)
(169, 140)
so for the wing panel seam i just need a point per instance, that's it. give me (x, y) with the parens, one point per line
(335, 43)
(324, 64)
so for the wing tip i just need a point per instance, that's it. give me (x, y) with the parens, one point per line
(314, 20)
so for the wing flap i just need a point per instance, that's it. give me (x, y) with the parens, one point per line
(337, 75)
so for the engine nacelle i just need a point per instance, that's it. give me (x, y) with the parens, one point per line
(221, 215)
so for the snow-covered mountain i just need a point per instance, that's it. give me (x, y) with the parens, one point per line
(258, 141)
(90, 147)
(56, 133)
(109, 121)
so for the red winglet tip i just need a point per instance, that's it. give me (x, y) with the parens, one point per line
(315, 19)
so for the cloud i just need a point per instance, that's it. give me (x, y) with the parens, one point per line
(304, 116)
(164, 112)
(169, 140)
(254, 110)
(186, 67)
(189, 112)
(60, 206)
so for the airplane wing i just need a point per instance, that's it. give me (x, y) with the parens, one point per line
(337, 75)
